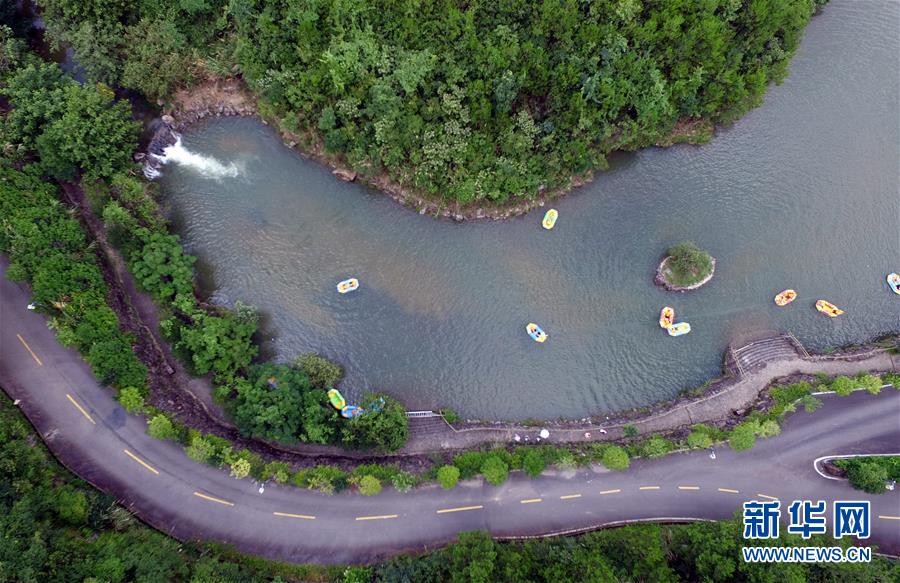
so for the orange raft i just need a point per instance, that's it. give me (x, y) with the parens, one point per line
(785, 297)
(828, 309)
(666, 317)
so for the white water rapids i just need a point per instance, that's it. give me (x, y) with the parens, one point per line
(206, 166)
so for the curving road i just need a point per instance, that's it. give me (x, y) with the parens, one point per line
(95, 438)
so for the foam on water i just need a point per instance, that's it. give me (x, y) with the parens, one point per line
(206, 166)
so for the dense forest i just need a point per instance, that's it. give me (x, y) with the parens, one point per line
(478, 101)
(54, 527)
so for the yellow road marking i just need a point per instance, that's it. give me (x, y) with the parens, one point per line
(211, 499)
(140, 461)
(767, 497)
(688, 487)
(611, 491)
(729, 491)
(649, 488)
(289, 515)
(530, 501)
(30, 351)
(888, 517)
(382, 517)
(570, 496)
(80, 408)
(460, 509)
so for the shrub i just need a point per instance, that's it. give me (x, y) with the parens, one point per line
(743, 436)
(890, 378)
(494, 469)
(769, 428)
(655, 446)
(810, 403)
(448, 476)
(322, 372)
(403, 482)
(369, 485)
(278, 471)
(566, 461)
(469, 463)
(630, 431)
(615, 458)
(160, 427)
(533, 462)
(843, 386)
(699, 439)
(870, 383)
(450, 416)
(72, 506)
(240, 468)
(866, 474)
(131, 399)
(200, 449)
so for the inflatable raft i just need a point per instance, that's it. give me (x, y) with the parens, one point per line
(894, 281)
(336, 399)
(550, 219)
(679, 329)
(828, 309)
(785, 297)
(351, 411)
(348, 285)
(535, 332)
(666, 317)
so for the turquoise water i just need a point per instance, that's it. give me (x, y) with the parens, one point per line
(802, 192)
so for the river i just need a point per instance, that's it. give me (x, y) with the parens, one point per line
(802, 192)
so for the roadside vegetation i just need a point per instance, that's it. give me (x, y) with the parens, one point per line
(871, 474)
(54, 527)
(477, 103)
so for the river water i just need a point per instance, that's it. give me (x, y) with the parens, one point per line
(802, 192)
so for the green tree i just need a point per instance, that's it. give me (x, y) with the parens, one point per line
(743, 436)
(615, 458)
(688, 264)
(494, 469)
(448, 476)
(240, 469)
(221, 344)
(383, 426)
(131, 399)
(72, 506)
(322, 372)
(200, 449)
(162, 269)
(157, 57)
(867, 474)
(160, 427)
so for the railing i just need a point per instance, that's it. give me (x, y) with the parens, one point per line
(418, 414)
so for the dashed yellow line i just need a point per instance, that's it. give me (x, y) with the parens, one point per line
(767, 497)
(616, 491)
(729, 491)
(888, 517)
(80, 408)
(381, 517)
(289, 515)
(140, 461)
(649, 488)
(688, 487)
(30, 351)
(212, 499)
(460, 509)
(570, 496)
(530, 501)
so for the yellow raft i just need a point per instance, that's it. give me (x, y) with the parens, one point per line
(666, 317)
(348, 285)
(785, 297)
(828, 309)
(535, 332)
(550, 219)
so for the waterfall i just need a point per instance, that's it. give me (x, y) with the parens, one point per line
(206, 166)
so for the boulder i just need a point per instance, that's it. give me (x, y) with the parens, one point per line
(168, 119)
(344, 174)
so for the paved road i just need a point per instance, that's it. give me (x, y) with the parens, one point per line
(95, 438)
